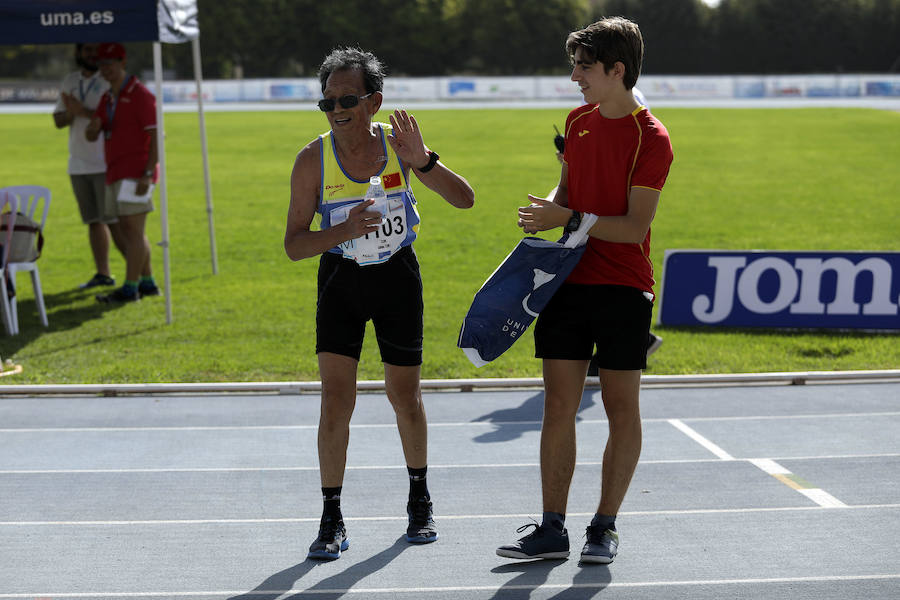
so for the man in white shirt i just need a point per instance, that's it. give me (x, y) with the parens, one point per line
(79, 96)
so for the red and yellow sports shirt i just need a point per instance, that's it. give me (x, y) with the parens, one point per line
(606, 158)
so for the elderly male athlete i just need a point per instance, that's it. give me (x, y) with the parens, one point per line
(330, 177)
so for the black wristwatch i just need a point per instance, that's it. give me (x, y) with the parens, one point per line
(574, 222)
(432, 160)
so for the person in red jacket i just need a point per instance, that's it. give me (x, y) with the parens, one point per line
(616, 160)
(126, 116)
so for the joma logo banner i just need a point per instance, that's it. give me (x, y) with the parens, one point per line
(842, 290)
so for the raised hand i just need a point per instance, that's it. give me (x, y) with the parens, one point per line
(406, 139)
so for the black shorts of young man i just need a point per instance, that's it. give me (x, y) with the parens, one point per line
(614, 318)
(390, 294)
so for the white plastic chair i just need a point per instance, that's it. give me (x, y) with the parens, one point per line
(6, 200)
(28, 197)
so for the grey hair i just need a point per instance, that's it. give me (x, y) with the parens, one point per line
(341, 59)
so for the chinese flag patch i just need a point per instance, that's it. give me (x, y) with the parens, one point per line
(391, 181)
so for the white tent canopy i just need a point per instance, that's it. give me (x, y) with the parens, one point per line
(79, 21)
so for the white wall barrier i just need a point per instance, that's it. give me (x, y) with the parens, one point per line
(654, 87)
(462, 88)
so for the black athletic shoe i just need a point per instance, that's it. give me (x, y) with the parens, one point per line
(601, 546)
(332, 540)
(96, 281)
(148, 289)
(543, 542)
(421, 529)
(119, 295)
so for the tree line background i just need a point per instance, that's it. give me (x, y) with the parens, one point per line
(289, 38)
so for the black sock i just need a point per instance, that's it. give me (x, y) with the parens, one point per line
(331, 499)
(554, 519)
(418, 486)
(604, 522)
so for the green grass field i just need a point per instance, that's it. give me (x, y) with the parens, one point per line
(797, 179)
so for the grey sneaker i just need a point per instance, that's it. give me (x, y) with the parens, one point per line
(543, 542)
(601, 546)
(332, 540)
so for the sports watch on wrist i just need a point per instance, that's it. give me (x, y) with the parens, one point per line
(574, 222)
(432, 160)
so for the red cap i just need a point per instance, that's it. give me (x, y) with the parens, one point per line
(111, 51)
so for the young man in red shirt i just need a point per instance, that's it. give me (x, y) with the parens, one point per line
(616, 160)
(127, 117)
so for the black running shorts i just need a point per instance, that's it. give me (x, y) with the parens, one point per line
(614, 318)
(390, 294)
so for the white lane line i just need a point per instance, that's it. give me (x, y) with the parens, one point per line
(892, 413)
(769, 466)
(785, 476)
(468, 588)
(398, 518)
(678, 424)
(530, 465)
(822, 498)
(432, 424)
(839, 456)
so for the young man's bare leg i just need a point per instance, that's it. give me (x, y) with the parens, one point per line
(620, 391)
(563, 387)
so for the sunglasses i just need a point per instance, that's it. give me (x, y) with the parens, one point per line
(348, 101)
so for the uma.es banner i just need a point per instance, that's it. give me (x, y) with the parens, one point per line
(74, 21)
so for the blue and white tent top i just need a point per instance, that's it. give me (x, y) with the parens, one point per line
(77, 21)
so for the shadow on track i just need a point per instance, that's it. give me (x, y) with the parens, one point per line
(330, 588)
(512, 423)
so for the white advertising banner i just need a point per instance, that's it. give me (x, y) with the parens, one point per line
(487, 88)
(686, 87)
(292, 90)
(411, 88)
(559, 88)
